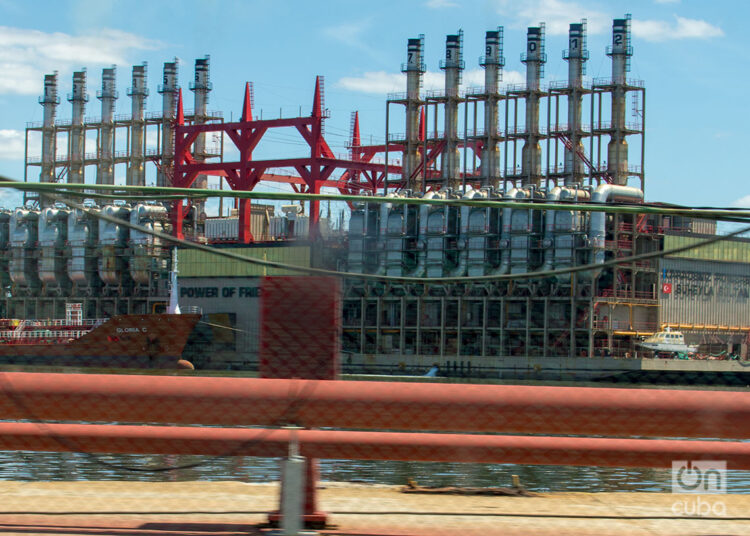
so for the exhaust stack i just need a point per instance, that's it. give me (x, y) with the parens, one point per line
(169, 90)
(493, 62)
(49, 101)
(201, 86)
(576, 56)
(452, 65)
(108, 95)
(137, 93)
(620, 52)
(534, 58)
(76, 150)
(414, 69)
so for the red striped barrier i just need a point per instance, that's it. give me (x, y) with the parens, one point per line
(376, 405)
(328, 444)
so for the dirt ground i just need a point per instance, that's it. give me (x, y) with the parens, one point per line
(219, 508)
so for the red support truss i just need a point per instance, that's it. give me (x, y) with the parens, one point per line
(313, 172)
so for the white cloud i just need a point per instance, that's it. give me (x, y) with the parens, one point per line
(742, 202)
(382, 82)
(376, 82)
(11, 145)
(556, 14)
(681, 28)
(26, 55)
(347, 32)
(440, 4)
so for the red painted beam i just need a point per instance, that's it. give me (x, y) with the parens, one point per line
(376, 405)
(328, 444)
(265, 123)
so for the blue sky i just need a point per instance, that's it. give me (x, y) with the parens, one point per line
(692, 55)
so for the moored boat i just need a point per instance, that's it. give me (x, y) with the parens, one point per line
(154, 341)
(667, 342)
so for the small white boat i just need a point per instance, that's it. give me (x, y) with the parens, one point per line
(667, 342)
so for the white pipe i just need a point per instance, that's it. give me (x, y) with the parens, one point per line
(463, 237)
(606, 193)
(421, 267)
(382, 231)
(505, 238)
(558, 193)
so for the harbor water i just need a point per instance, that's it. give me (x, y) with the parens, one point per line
(33, 466)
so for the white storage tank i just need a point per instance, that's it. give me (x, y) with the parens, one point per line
(4, 247)
(23, 230)
(53, 236)
(147, 255)
(112, 242)
(83, 234)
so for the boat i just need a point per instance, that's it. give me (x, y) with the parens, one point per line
(667, 342)
(151, 341)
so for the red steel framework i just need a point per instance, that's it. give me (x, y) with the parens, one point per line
(314, 172)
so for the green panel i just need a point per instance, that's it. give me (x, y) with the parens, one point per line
(195, 263)
(726, 250)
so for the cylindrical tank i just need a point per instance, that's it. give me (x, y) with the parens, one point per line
(78, 99)
(414, 69)
(4, 248)
(522, 231)
(148, 256)
(452, 65)
(83, 234)
(108, 95)
(534, 58)
(404, 248)
(576, 55)
(49, 101)
(442, 251)
(138, 93)
(169, 89)
(53, 236)
(492, 62)
(620, 51)
(480, 235)
(606, 193)
(364, 235)
(22, 268)
(564, 233)
(112, 242)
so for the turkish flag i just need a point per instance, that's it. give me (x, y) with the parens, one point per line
(666, 288)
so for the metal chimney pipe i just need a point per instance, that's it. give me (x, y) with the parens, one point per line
(137, 93)
(414, 68)
(78, 99)
(452, 65)
(534, 58)
(201, 86)
(169, 91)
(576, 56)
(108, 95)
(49, 101)
(493, 62)
(620, 51)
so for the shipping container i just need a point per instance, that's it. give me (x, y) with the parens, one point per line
(194, 263)
(704, 293)
(725, 251)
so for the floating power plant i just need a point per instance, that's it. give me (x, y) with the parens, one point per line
(567, 142)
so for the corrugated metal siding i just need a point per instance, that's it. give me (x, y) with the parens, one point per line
(194, 263)
(705, 292)
(726, 250)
